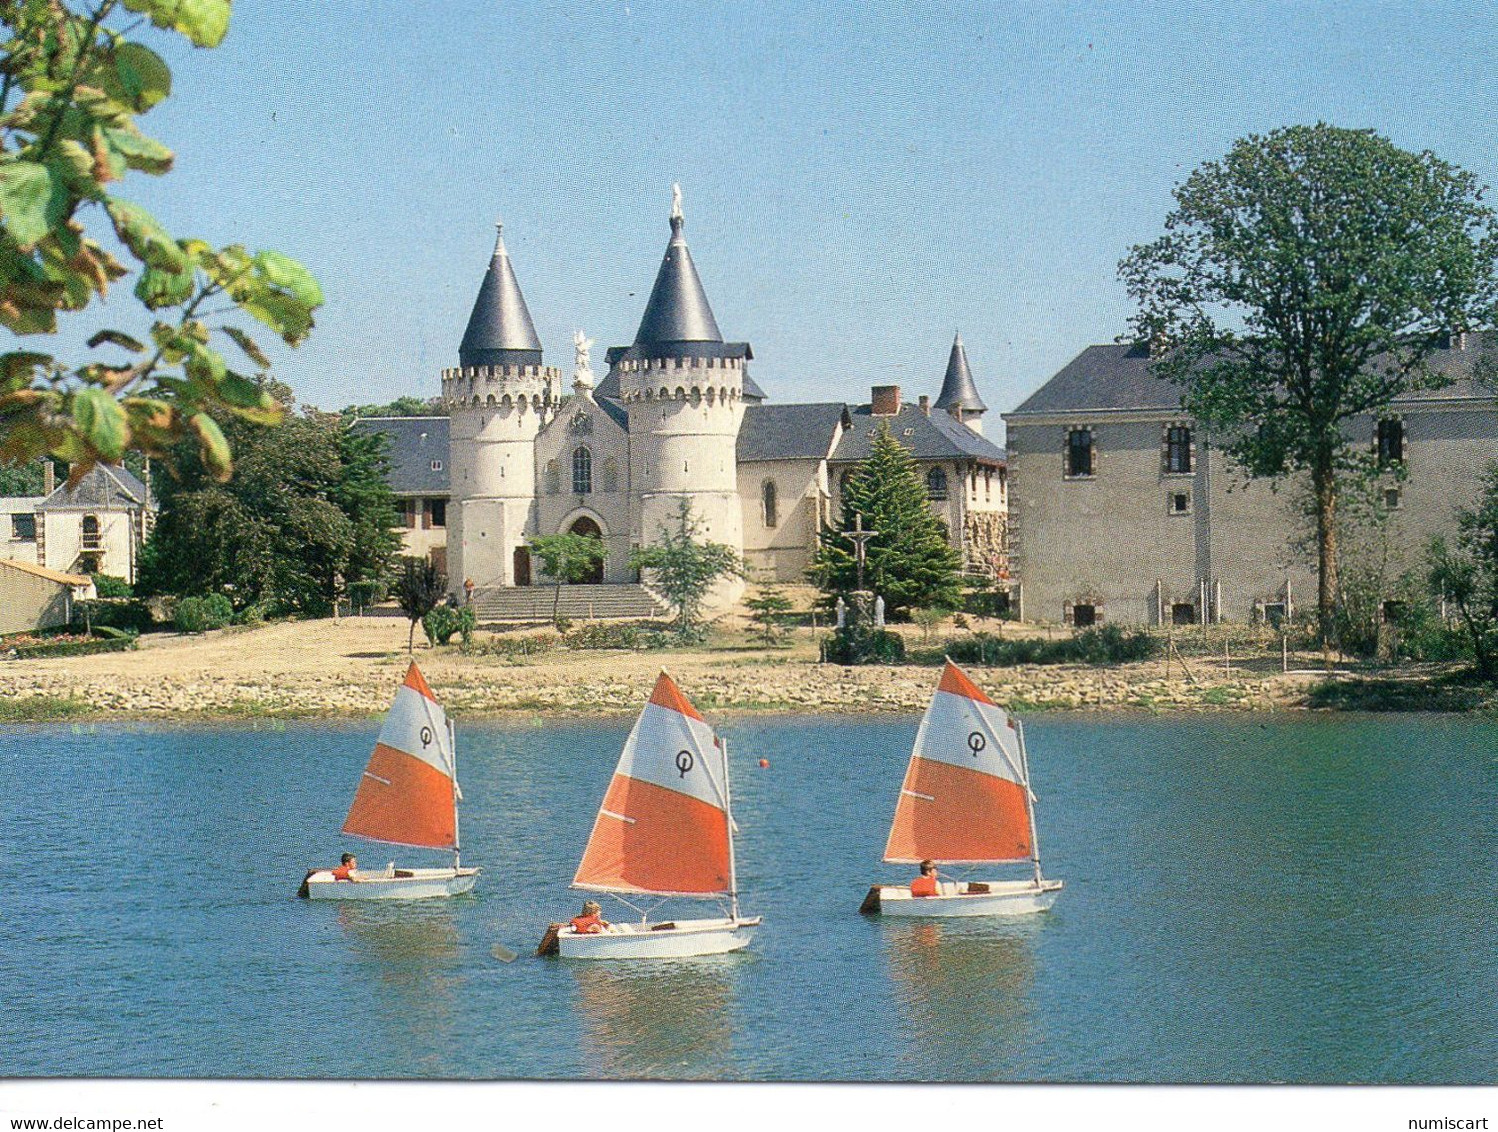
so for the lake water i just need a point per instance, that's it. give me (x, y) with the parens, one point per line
(1248, 899)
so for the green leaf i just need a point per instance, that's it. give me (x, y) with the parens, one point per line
(143, 75)
(101, 422)
(140, 152)
(203, 365)
(285, 315)
(147, 240)
(32, 201)
(248, 400)
(247, 344)
(157, 289)
(212, 446)
(287, 274)
(117, 338)
(205, 22)
(18, 367)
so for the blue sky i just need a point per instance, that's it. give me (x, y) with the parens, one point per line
(859, 180)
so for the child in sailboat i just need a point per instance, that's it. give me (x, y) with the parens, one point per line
(591, 921)
(345, 871)
(925, 884)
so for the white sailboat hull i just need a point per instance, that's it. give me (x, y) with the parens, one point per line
(1003, 898)
(397, 884)
(676, 939)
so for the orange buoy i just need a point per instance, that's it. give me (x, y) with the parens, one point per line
(764, 763)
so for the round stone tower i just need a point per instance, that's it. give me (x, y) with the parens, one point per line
(498, 398)
(683, 387)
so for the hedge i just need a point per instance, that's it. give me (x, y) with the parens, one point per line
(74, 648)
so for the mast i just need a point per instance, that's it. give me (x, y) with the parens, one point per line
(452, 745)
(1024, 758)
(733, 874)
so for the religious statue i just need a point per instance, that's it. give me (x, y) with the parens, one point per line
(879, 612)
(842, 613)
(676, 202)
(581, 344)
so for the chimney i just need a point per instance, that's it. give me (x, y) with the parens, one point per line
(885, 400)
(925, 405)
(49, 476)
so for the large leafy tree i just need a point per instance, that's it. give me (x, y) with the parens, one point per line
(1302, 282)
(909, 561)
(72, 84)
(684, 566)
(307, 513)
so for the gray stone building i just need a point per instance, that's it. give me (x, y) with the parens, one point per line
(1122, 509)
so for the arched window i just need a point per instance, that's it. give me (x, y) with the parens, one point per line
(90, 532)
(770, 502)
(610, 475)
(936, 484)
(582, 471)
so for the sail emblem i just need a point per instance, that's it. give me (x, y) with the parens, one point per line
(684, 762)
(426, 737)
(976, 741)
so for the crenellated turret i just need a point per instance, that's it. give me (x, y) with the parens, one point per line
(499, 399)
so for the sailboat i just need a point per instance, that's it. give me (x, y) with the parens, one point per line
(665, 829)
(408, 795)
(966, 800)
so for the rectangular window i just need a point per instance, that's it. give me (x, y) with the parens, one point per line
(1183, 613)
(1391, 498)
(1178, 450)
(439, 512)
(1391, 442)
(1274, 613)
(23, 528)
(1083, 616)
(1079, 452)
(1180, 503)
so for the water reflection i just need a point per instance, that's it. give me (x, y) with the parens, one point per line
(412, 950)
(648, 1018)
(963, 988)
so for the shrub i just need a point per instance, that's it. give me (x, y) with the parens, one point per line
(441, 623)
(637, 635)
(1107, 645)
(132, 614)
(511, 647)
(74, 647)
(199, 614)
(107, 585)
(879, 646)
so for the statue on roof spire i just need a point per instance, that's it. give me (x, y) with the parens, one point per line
(676, 202)
(499, 235)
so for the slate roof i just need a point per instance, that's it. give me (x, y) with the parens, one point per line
(103, 486)
(412, 444)
(1118, 377)
(500, 330)
(958, 387)
(788, 432)
(937, 437)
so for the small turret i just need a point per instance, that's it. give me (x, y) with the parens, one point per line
(959, 393)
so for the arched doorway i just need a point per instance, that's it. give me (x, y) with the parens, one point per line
(589, 529)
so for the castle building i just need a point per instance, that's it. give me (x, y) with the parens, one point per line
(676, 419)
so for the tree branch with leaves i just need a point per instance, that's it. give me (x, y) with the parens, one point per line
(72, 84)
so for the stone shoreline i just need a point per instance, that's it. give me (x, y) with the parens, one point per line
(325, 669)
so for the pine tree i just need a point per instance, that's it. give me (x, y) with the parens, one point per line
(909, 562)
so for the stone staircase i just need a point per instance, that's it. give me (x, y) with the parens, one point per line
(533, 604)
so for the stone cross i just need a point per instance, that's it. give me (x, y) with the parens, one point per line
(858, 536)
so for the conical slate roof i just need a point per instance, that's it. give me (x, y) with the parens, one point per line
(678, 310)
(958, 389)
(500, 331)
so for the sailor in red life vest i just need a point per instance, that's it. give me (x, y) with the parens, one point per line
(925, 884)
(345, 871)
(590, 922)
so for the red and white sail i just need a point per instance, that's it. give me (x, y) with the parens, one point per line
(663, 827)
(407, 796)
(965, 799)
